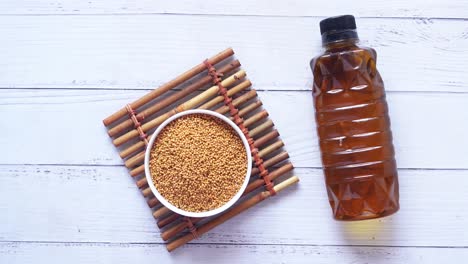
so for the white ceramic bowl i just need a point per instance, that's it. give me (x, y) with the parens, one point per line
(206, 213)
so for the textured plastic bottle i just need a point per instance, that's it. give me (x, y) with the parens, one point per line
(353, 125)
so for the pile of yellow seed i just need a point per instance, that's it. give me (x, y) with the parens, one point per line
(198, 163)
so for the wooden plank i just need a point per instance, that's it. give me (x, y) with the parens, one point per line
(143, 51)
(65, 127)
(103, 204)
(90, 253)
(378, 8)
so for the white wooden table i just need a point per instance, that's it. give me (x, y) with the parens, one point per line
(66, 64)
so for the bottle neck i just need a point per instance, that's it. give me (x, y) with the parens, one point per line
(341, 44)
(339, 38)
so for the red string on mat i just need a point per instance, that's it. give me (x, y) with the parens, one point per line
(136, 123)
(191, 227)
(215, 76)
(133, 115)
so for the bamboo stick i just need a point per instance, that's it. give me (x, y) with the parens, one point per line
(169, 85)
(267, 137)
(275, 146)
(140, 157)
(273, 175)
(219, 99)
(255, 118)
(199, 99)
(268, 163)
(231, 213)
(135, 160)
(211, 103)
(147, 192)
(251, 107)
(161, 211)
(287, 167)
(140, 144)
(259, 129)
(272, 161)
(165, 221)
(174, 230)
(238, 101)
(132, 149)
(143, 182)
(153, 202)
(171, 99)
(138, 170)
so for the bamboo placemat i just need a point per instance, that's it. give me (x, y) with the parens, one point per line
(219, 85)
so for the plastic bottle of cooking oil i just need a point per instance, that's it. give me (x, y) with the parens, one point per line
(353, 125)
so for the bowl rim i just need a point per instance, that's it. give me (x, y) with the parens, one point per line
(166, 203)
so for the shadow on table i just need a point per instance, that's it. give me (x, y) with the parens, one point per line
(368, 238)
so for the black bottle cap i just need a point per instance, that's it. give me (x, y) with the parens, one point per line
(337, 23)
(338, 28)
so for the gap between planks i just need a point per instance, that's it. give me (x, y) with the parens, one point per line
(221, 244)
(229, 15)
(149, 89)
(123, 166)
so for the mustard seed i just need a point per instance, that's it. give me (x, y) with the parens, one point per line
(198, 163)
